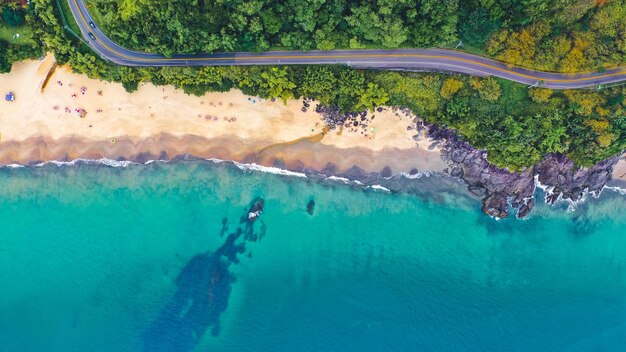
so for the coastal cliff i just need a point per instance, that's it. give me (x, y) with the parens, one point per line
(501, 188)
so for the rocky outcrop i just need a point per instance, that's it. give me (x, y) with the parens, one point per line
(502, 189)
(310, 207)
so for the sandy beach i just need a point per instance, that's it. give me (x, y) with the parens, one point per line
(163, 122)
(46, 124)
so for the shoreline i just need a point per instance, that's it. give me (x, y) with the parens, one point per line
(66, 122)
(426, 184)
(166, 147)
(77, 118)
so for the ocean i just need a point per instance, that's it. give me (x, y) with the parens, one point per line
(163, 257)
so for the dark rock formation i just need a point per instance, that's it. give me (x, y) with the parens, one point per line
(456, 172)
(332, 116)
(256, 208)
(310, 207)
(501, 188)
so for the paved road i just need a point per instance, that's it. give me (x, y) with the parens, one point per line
(402, 59)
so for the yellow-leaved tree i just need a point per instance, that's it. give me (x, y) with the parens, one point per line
(450, 86)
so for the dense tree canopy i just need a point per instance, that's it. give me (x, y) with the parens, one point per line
(13, 17)
(190, 26)
(555, 35)
(517, 125)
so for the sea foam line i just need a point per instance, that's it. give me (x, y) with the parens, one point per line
(379, 188)
(572, 204)
(101, 161)
(126, 163)
(417, 175)
(343, 180)
(253, 167)
(619, 190)
(267, 169)
(337, 178)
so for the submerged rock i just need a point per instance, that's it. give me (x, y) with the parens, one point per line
(495, 205)
(526, 208)
(310, 207)
(255, 210)
(203, 290)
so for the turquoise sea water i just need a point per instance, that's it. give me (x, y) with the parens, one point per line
(95, 258)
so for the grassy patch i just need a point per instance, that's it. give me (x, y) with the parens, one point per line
(95, 12)
(9, 34)
(67, 14)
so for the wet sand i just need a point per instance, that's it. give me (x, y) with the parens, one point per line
(156, 122)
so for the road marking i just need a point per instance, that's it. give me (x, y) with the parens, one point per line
(349, 56)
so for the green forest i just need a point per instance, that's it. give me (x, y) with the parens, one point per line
(517, 125)
(16, 42)
(193, 26)
(553, 35)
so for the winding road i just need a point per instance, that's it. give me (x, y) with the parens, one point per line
(436, 60)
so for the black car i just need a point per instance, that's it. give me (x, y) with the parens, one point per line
(91, 36)
(92, 25)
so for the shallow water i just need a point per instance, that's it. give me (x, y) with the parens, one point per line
(96, 258)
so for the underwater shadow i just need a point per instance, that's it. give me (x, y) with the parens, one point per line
(204, 287)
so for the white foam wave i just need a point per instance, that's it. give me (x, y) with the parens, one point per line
(340, 179)
(101, 161)
(154, 161)
(548, 190)
(379, 188)
(417, 175)
(116, 163)
(126, 163)
(571, 204)
(268, 169)
(242, 166)
(344, 180)
(619, 190)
